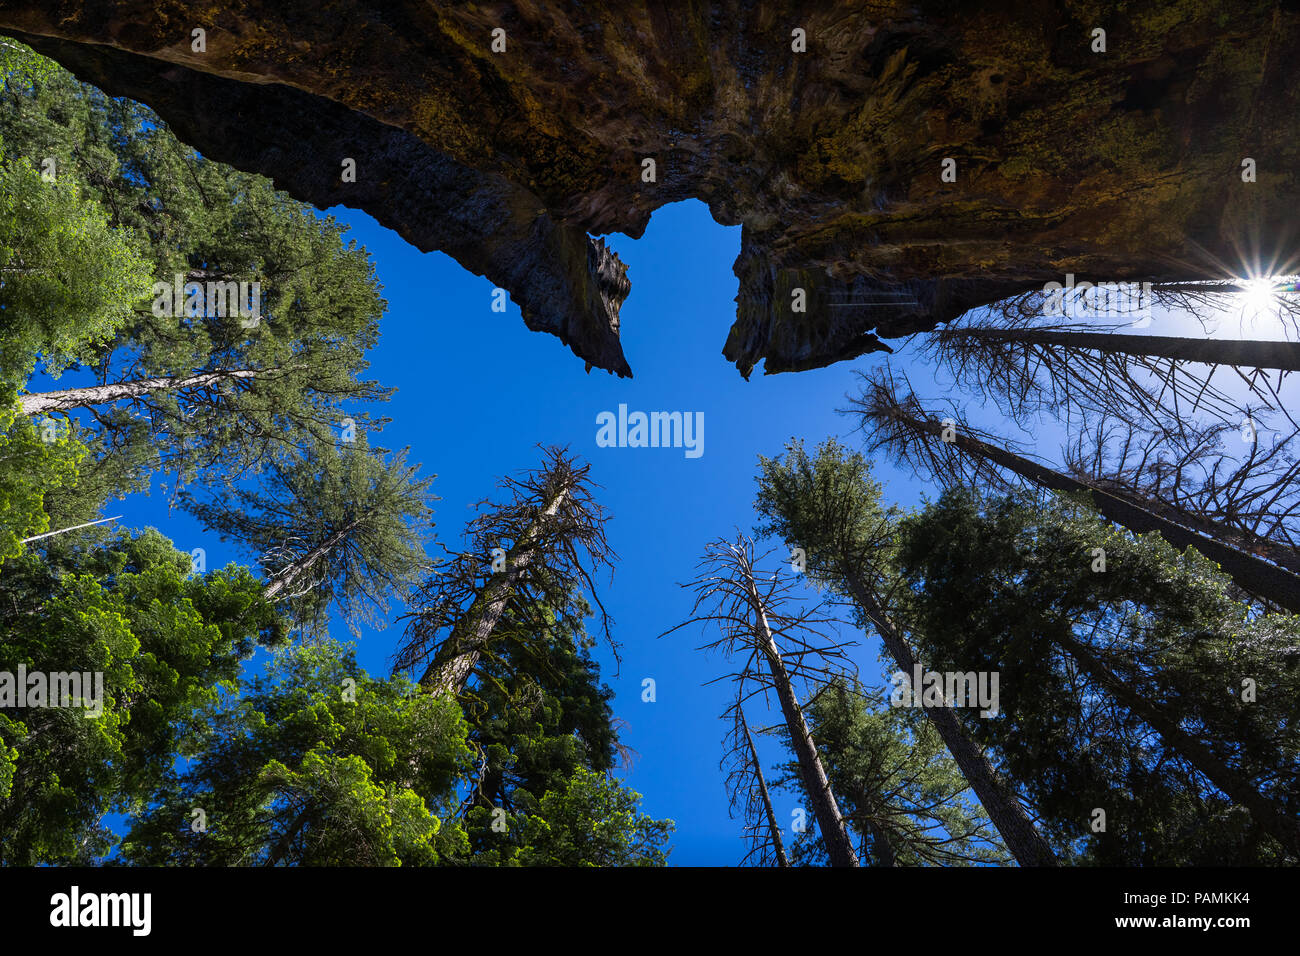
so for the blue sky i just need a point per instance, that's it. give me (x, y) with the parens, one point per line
(477, 392)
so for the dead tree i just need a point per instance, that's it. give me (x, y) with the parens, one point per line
(1157, 382)
(957, 453)
(530, 555)
(1251, 503)
(778, 649)
(747, 788)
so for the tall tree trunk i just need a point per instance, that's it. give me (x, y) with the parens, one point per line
(1267, 814)
(1018, 831)
(91, 395)
(839, 848)
(773, 828)
(1251, 573)
(1239, 538)
(1244, 354)
(450, 669)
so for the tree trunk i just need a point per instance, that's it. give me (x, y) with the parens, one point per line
(295, 570)
(881, 847)
(1239, 538)
(92, 395)
(1249, 572)
(1285, 829)
(75, 527)
(286, 839)
(1018, 831)
(451, 667)
(839, 848)
(773, 828)
(1243, 354)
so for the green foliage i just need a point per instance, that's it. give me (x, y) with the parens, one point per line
(544, 732)
(320, 301)
(162, 639)
(30, 469)
(316, 763)
(1011, 587)
(829, 505)
(900, 792)
(593, 821)
(68, 281)
(333, 525)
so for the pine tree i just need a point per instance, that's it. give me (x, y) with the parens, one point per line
(331, 525)
(829, 507)
(1122, 667)
(314, 764)
(203, 390)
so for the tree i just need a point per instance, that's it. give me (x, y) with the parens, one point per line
(68, 279)
(30, 469)
(127, 609)
(329, 525)
(901, 792)
(531, 552)
(313, 764)
(751, 617)
(593, 821)
(829, 508)
(238, 375)
(955, 452)
(1122, 682)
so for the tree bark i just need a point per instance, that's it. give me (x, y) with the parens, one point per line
(1243, 353)
(839, 848)
(881, 846)
(450, 669)
(1018, 831)
(92, 395)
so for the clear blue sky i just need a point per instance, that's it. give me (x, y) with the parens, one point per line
(476, 393)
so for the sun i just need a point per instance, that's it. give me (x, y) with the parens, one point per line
(1258, 294)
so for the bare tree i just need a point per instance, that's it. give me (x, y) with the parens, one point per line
(747, 788)
(955, 452)
(778, 649)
